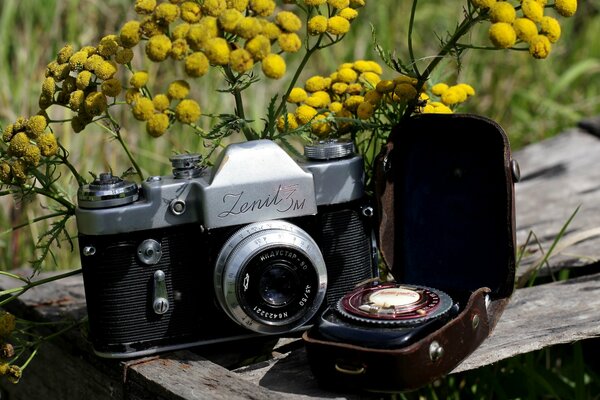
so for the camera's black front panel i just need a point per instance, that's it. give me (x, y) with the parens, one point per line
(346, 241)
(120, 291)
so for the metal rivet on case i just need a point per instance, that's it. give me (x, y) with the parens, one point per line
(435, 351)
(475, 321)
(89, 250)
(177, 206)
(154, 179)
(367, 211)
(515, 170)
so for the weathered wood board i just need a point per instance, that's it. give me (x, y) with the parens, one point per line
(558, 176)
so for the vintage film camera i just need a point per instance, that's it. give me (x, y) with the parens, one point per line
(258, 244)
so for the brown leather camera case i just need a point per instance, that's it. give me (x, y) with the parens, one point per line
(445, 188)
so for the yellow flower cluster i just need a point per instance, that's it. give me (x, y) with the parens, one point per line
(342, 13)
(13, 372)
(525, 22)
(449, 96)
(329, 103)
(27, 141)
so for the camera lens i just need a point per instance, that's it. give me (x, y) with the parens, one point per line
(278, 285)
(270, 277)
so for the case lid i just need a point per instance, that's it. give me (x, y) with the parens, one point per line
(445, 189)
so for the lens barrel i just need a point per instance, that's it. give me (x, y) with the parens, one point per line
(270, 277)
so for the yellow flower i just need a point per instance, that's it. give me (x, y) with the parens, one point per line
(130, 34)
(540, 47)
(239, 5)
(352, 102)
(165, 13)
(190, 12)
(454, 95)
(354, 88)
(348, 13)
(157, 125)
(335, 107)
(273, 66)
(248, 28)
(339, 4)
(287, 121)
(365, 110)
(469, 90)
(229, 19)
(180, 31)
(76, 99)
(6, 177)
(187, 111)
(371, 78)
(18, 144)
(288, 21)
(289, 42)
(47, 144)
(320, 126)
(178, 90)
(158, 48)
(259, 47)
(367, 66)
(8, 133)
(241, 60)
(347, 75)
(503, 11)
(203, 31)
(124, 56)
(502, 35)
(525, 29)
(196, 64)
(316, 83)
(105, 70)
(550, 28)
(318, 99)
(179, 49)
(405, 91)
(95, 103)
(131, 95)
(161, 102)
(270, 30)
(566, 8)
(151, 28)
(339, 88)
(385, 86)
(357, 3)
(77, 60)
(214, 7)
(317, 25)
(217, 51)
(532, 10)
(108, 46)
(305, 113)
(19, 170)
(61, 71)
(144, 6)
(32, 155)
(297, 95)
(93, 62)
(36, 125)
(373, 97)
(139, 79)
(264, 8)
(314, 2)
(83, 79)
(111, 87)
(483, 3)
(64, 54)
(49, 86)
(337, 25)
(142, 109)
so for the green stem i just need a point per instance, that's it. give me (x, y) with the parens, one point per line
(22, 289)
(38, 219)
(65, 160)
(281, 107)
(413, 61)
(116, 131)
(239, 103)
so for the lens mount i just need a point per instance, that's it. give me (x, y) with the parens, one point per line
(270, 277)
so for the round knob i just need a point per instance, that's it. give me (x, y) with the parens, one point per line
(329, 149)
(106, 191)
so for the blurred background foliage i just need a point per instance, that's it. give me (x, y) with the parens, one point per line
(531, 99)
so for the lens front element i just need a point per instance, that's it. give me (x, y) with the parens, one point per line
(270, 277)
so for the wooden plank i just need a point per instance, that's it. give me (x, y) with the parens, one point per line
(559, 175)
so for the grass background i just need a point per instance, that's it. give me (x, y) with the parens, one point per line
(531, 99)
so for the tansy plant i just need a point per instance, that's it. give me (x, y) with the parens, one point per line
(249, 43)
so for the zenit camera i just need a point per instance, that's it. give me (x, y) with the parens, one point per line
(255, 245)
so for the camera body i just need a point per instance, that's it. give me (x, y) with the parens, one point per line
(255, 245)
